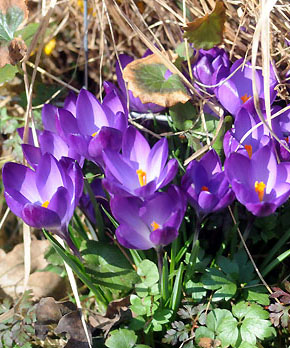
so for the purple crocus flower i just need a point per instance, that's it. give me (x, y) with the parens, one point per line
(208, 64)
(48, 142)
(139, 170)
(281, 127)
(45, 197)
(135, 104)
(150, 223)
(258, 137)
(206, 186)
(92, 127)
(237, 91)
(260, 183)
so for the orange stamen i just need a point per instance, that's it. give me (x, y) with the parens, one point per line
(45, 204)
(142, 177)
(245, 97)
(260, 188)
(204, 188)
(287, 140)
(249, 150)
(155, 226)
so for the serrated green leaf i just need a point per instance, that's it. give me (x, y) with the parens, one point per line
(148, 272)
(150, 80)
(9, 22)
(161, 316)
(121, 338)
(254, 322)
(7, 73)
(206, 32)
(257, 294)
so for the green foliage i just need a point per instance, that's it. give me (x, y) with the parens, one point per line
(9, 22)
(18, 330)
(184, 116)
(27, 32)
(7, 73)
(206, 32)
(123, 338)
(108, 267)
(148, 272)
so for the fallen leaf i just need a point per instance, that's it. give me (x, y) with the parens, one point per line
(150, 80)
(12, 271)
(48, 312)
(207, 32)
(71, 324)
(17, 50)
(206, 342)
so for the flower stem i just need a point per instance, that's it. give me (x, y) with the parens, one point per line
(159, 252)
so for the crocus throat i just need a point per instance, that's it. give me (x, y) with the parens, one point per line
(155, 226)
(142, 177)
(249, 150)
(245, 97)
(45, 204)
(204, 188)
(260, 188)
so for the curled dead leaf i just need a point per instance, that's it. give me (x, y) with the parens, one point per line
(17, 50)
(206, 342)
(150, 80)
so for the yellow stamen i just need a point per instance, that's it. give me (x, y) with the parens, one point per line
(260, 188)
(49, 47)
(45, 204)
(94, 134)
(155, 226)
(142, 177)
(249, 150)
(204, 188)
(245, 97)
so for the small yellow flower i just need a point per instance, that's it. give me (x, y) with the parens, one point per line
(49, 47)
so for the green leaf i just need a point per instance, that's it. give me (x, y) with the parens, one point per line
(121, 338)
(151, 81)
(137, 305)
(215, 279)
(257, 294)
(183, 116)
(195, 289)
(161, 316)
(9, 22)
(108, 266)
(148, 272)
(206, 32)
(27, 33)
(181, 50)
(254, 322)
(7, 73)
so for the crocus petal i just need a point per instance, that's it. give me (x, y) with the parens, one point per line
(68, 122)
(133, 239)
(32, 154)
(21, 179)
(70, 102)
(207, 201)
(49, 116)
(89, 112)
(40, 217)
(261, 208)
(168, 173)
(211, 162)
(48, 177)
(163, 236)
(53, 143)
(157, 159)
(135, 147)
(60, 202)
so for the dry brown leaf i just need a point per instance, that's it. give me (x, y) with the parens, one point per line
(206, 342)
(17, 50)
(140, 73)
